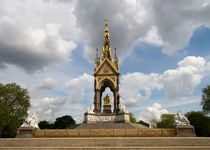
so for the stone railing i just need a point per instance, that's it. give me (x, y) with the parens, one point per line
(105, 133)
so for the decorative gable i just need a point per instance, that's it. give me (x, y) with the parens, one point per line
(106, 67)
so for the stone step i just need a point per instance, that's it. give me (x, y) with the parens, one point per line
(111, 148)
(107, 143)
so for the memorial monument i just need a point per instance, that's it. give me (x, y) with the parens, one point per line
(106, 74)
(29, 125)
(183, 126)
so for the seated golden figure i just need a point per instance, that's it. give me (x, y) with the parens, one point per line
(107, 100)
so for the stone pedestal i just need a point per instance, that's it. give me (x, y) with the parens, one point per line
(185, 130)
(106, 118)
(25, 132)
(107, 109)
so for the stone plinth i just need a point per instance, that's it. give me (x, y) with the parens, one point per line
(185, 130)
(25, 132)
(107, 109)
(106, 118)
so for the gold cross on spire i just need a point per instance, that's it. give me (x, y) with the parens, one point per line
(106, 20)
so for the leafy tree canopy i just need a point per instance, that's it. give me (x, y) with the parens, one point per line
(4, 116)
(205, 100)
(64, 122)
(60, 123)
(46, 125)
(166, 121)
(132, 118)
(200, 121)
(14, 104)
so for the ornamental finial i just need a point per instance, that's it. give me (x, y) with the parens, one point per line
(106, 46)
(106, 21)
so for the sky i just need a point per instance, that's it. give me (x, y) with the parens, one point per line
(48, 47)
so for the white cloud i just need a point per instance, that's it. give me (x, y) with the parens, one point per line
(35, 34)
(133, 84)
(48, 83)
(152, 112)
(79, 119)
(177, 82)
(185, 78)
(40, 39)
(125, 25)
(177, 20)
(78, 86)
(182, 101)
(50, 107)
(169, 24)
(32, 47)
(152, 37)
(30, 39)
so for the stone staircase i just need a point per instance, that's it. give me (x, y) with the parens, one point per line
(124, 143)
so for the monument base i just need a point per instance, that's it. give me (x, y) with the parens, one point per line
(25, 132)
(107, 109)
(106, 118)
(185, 131)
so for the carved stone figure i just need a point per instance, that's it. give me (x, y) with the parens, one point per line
(181, 119)
(31, 121)
(122, 108)
(182, 125)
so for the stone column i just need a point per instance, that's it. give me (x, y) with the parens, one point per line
(116, 104)
(97, 101)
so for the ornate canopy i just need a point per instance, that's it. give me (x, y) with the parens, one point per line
(106, 74)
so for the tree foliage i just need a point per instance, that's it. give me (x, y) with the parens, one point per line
(132, 118)
(60, 123)
(46, 125)
(143, 123)
(205, 101)
(200, 121)
(64, 122)
(14, 104)
(4, 115)
(166, 121)
(154, 123)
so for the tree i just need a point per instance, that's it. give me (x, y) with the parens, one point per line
(14, 104)
(200, 121)
(64, 122)
(205, 101)
(154, 123)
(166, 121)
(132, 118)
(46, 125)
(143, 123)
(4, 117)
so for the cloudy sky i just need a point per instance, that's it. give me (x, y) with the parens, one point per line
(48, 47)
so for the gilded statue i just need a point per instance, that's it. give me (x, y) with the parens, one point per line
(107, 100)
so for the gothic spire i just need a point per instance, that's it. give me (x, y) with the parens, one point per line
(106, 46)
